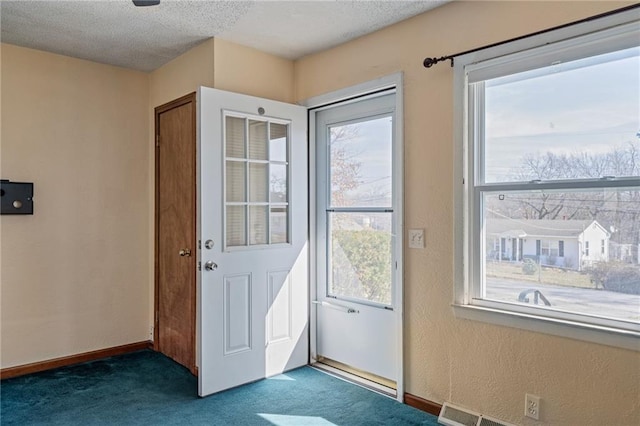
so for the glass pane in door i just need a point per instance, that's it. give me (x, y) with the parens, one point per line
(234, 137)
(278, 183)
(236, 226)
(278, 142)
(256, 182)
(258, 140)
(279, 225)
(258, 223)
(235, 185)
(360, 163)
(360, 256)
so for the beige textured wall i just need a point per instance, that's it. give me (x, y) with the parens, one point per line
(483, 367)
(252, 72)
(75, 274)
(182, 75)
(226, 66)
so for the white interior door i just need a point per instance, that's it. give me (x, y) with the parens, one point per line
(357, 226)
(253, 284)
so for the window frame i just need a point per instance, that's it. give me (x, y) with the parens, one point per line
(381, 104)
(599, 36)
(247, 161)
(550, 246)
(315, 104)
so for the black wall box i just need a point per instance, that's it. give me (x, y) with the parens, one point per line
(16, 197)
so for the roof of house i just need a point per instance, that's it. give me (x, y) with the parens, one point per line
(537, 227)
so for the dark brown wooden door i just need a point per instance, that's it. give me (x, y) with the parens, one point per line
(175, 254)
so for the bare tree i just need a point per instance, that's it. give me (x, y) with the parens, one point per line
(345, 169)
(618, 210)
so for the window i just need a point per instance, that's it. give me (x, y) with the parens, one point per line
(357, 209)
(550, 153)
(550, 248)
(256, 181)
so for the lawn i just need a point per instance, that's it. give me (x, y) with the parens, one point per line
(547, 275)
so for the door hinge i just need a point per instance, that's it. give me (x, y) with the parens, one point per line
(199, 244)
(199, 266)
(157, 140)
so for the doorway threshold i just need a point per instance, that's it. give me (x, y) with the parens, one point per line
(371, 382)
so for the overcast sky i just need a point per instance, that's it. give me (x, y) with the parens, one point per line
(371, 148)
(581, 106)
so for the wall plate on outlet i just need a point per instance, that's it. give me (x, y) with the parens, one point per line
(532, 406)
(416, 238)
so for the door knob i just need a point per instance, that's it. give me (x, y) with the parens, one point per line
(185, 252)
(210, 266)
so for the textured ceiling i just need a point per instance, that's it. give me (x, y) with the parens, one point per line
(144, 38)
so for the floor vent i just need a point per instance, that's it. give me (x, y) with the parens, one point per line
(488, 421)
(451, 415)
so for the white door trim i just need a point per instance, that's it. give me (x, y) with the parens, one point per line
(357, 93)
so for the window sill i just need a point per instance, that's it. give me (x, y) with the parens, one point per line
(569, 329)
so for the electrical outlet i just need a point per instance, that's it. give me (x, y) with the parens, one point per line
(532, 406)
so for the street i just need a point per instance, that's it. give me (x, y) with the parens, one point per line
(586, 301)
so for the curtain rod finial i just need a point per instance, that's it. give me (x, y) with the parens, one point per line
(429, 62)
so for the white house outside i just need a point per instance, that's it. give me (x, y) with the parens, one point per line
(571, 244)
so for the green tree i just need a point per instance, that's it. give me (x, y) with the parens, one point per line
(362, 264)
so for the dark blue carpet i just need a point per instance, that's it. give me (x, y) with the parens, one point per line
(146, 388)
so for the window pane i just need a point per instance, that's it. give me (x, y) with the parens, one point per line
(571, 120)
(236, 232)
(360, 163)
(360, 256)
(235, 181)
(257, 140)
(279, 225)
(258, 183)
(256, 175)
(258, 219)
(278, 181)
(234, 128)
(566, 273)
(278, 142)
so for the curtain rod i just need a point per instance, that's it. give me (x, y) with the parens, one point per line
(429, 62)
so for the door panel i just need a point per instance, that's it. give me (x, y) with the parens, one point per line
(253, 307)
(237, 313)
(175, 231)
(356, 230)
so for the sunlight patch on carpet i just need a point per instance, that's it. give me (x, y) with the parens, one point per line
(281, 377)
(282, 420)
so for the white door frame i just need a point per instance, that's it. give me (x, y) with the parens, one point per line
(354, 94)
